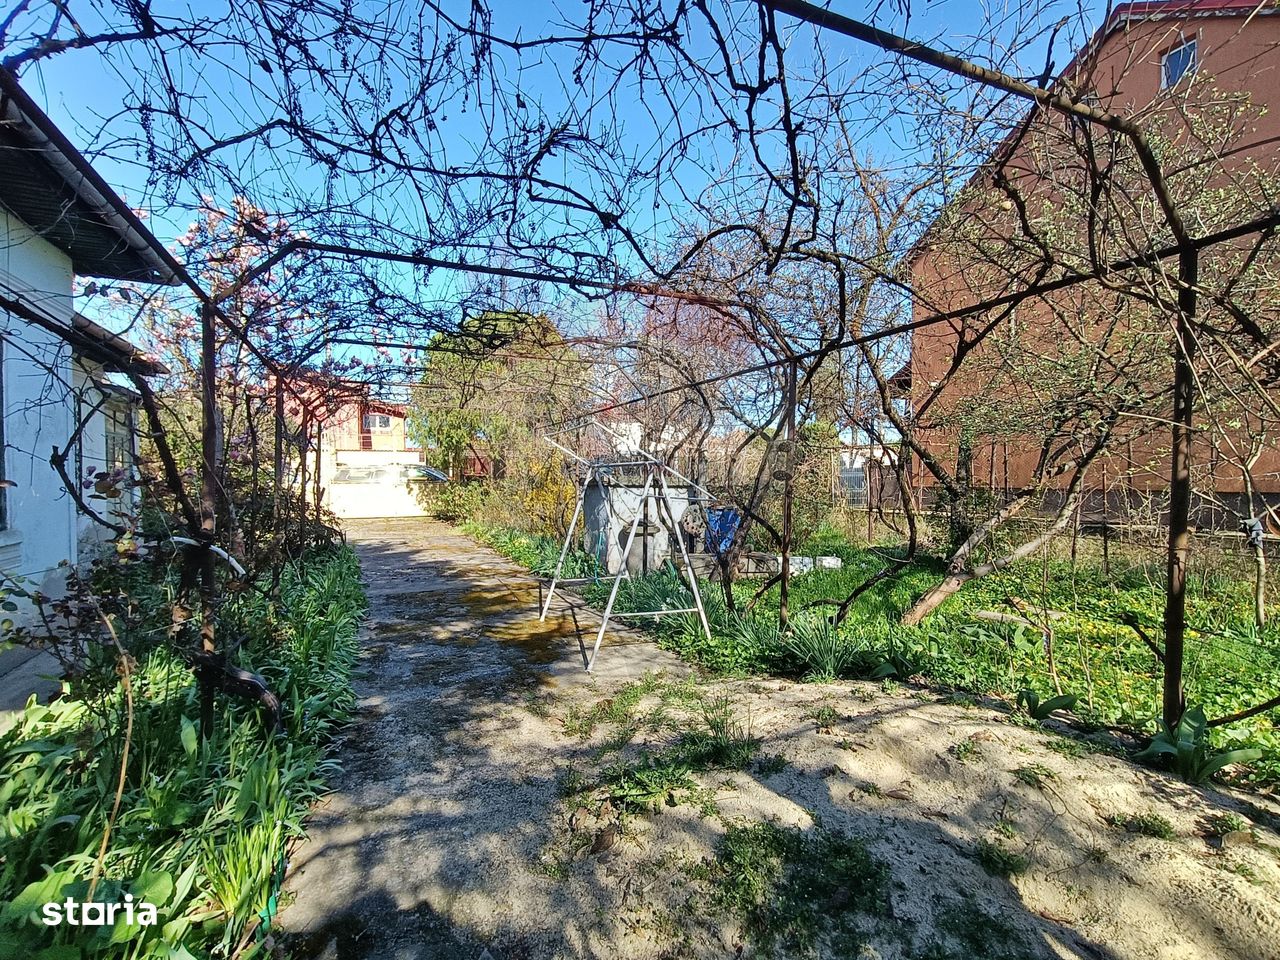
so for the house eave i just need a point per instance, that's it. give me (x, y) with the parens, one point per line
(49, 185)
(112, 351)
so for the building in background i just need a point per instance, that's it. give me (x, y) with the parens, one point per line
(359, 460)
(1145, 54)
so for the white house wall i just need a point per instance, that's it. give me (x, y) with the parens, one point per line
(38, 411)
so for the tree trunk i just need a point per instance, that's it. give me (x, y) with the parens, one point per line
(208, 513)
(934, 598)
(958, 578)
(319, 491)
(1179, 545)
(958, 516)
(1260, 587)
(277, 484)
(788, 492)
(1259, 555)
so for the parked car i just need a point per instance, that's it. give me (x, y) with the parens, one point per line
(416, 472)
(361, 475)
(390, 473)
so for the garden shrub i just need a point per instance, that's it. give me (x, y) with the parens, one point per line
(455, 502)
(203, 826)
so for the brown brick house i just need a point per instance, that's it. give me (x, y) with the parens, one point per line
(1034, 373)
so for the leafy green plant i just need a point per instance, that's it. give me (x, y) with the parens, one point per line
(455, 501)
(654, 782)
(1220, 824)
(202, 824)
(724, 741)
(1187, 750)
(1030, 701)
(818, 650)
(1146, 824)
(972, 932)
(824, 717)
(999, 860)
(1068, 747)
(720, 740)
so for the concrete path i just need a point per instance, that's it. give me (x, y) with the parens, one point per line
(24, 672)
(428, 846)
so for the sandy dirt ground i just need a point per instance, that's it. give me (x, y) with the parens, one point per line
(472, 817)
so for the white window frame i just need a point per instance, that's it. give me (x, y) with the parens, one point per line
(1193, 64)
(377, 423)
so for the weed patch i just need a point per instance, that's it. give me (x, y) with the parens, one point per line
(970, 932)
(998, 860)
(790, 888)
(1146, 824)
(824, 718)
(1034, 775)
(664, 778)
(1220, 824)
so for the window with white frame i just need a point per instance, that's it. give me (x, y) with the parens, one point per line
(377, 421)
(118, 453)
(1178, 62)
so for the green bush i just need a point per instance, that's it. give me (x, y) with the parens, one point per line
(203, 826)
(455, 502)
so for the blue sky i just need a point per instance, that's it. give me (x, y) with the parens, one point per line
(83, 92)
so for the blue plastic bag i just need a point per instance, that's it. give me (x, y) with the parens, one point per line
(722, 527)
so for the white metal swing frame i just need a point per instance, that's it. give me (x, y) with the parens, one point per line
(655, 484)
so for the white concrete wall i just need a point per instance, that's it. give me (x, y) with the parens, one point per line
(387, 496)
(38, 410)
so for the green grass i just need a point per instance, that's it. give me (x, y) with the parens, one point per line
(203, 825)
(998, 860)
(970, 933)
(617, 710)
(715, 738)
(537, 552)
(1035, 775)
(789, 888)
(1146, 824)
(1099, 657)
